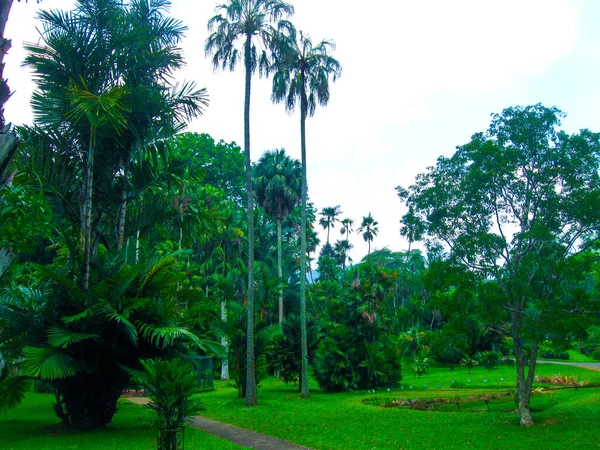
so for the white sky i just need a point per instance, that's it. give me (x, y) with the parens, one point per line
(419, 78)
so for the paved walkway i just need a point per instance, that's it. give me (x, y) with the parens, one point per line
(240, 436)
(590, 366)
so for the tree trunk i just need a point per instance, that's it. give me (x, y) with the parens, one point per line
(137, 246)
(6, 258)
(8, 140)
(224, 343)
(86, 229)
(304, 390)
(5, 45)
(123, 209)
(250, 374)
(524, 383)
(280, 269)
(8, 145)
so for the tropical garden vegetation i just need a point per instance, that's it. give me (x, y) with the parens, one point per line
(129, 247)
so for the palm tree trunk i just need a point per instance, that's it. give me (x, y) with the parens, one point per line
(250, 373)
(123, 209)
(280, 269)
(137, 246)
(86, 231)
(224, 343)
(304, 390)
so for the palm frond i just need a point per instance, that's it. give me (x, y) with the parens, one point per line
(163, 337)
(47, 363)
(58, 337)
(164, 264)
(67, 320)
(111, 313)
(12, 392)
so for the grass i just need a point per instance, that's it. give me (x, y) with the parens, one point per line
(33, 425)
(575, 356)
(565, 418)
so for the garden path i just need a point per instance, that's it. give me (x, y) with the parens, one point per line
(590, 366)
(240, 436)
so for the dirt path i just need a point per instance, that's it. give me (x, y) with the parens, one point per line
(240, 436)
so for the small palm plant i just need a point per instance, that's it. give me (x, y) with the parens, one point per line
(171, 386)
(420, 365)
(469, 362)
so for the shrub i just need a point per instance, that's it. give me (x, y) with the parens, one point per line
(171, 386)
(286, 360)
(345, 361)
(469, 362)
(489, 360)
(420, 365)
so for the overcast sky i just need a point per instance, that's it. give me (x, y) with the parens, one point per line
(419, 78)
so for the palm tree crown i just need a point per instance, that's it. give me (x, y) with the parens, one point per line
(302, 71)
(329, 218)
(278, 183)
(369, 229)
(346, 228)
(241, 19)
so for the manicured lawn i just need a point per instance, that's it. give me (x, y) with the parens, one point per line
(564, 418)
(33, 426)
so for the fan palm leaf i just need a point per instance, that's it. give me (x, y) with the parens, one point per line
(47, 363)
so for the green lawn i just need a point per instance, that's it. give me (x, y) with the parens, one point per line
(565, 418)
(33, 426)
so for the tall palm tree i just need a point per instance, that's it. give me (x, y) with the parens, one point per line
(89, 52)
(302, 72)
(341, 250)
(97, 110)
(249, 21)
(329, 218)
(346, 228)
(278, 189)
(369, 229)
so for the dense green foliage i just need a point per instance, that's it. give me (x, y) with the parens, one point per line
(137, 245)
(357, 348)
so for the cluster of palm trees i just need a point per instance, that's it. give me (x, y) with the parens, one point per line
(369, 228)
(258, 33)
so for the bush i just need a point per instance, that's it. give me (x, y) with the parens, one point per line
(286, 360)
(171, 386)
(345, 361)
(469, 362)
(596, 354)
(555, 354)
(235, 329)
(489, 360)
(420, 365)
(357, 348)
